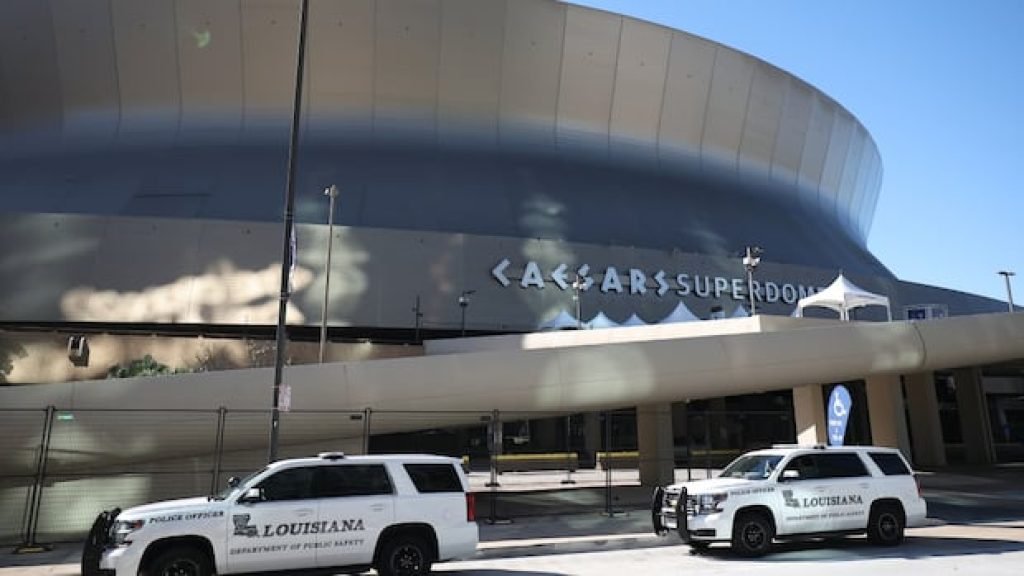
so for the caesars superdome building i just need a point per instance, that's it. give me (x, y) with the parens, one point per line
(502, 166)
(499, 147)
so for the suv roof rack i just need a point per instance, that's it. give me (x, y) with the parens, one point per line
(804, 446)
(331, 455)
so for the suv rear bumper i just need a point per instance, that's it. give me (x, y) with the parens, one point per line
(458, 541)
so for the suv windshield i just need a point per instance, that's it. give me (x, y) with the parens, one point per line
(752, 467)
(226, 492)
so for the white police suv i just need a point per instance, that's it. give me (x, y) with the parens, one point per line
(791, 492)
(333, 513)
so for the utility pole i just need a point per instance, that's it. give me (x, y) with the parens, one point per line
(288, 259)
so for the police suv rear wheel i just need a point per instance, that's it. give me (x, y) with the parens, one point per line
(885, 525)
(180, 561)
(752, 534)
(404, 556)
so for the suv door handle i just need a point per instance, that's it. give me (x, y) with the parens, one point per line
(304, 512)
(377, 507)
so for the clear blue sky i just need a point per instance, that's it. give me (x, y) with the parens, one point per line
(939, 84)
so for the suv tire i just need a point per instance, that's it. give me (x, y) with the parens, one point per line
(404, 556)
(752, 534)
(179, 561)
(886, 524)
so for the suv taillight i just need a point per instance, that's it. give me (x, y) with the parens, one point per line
(470, 507)
(917, 482)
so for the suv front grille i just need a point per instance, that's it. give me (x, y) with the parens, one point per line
(672, 496)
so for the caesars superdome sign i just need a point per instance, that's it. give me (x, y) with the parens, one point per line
(638, 282)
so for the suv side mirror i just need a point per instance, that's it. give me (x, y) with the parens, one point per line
(790, 475)
(234, 481)
(251, 495)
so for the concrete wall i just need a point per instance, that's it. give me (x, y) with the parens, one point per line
(42, 357)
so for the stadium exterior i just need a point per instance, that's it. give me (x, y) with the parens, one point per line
(496, 148)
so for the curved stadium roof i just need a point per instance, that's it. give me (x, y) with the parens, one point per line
(534, 75)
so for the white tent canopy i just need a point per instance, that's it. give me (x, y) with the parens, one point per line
(680, 314)
(563, 321)
(843, 296)
(634, 320)
(601, 320)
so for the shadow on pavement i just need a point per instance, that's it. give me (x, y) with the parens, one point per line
(498, 572)
(914, 547)
(590, 545)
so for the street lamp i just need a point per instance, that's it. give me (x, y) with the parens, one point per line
(576, 286)
(750, 261)
(1009, 292)
(417, 316)
(464, 303)
(331, 193)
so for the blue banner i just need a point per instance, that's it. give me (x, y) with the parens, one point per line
(838, 414)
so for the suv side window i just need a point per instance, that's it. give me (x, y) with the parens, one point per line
(434, 478)
(806, 466)
(290, 484)
(352, 480)
(841, 465)
(890, 464)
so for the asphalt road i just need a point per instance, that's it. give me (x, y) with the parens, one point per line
(996, 549)
(979, 529)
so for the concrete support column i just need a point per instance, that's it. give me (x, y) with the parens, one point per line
(885, 410)
(809, 414)
(654, 439)
(975, 426)
(925, 427)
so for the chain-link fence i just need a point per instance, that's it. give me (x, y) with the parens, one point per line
(62, 467)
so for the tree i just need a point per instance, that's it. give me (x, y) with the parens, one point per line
(145, 366)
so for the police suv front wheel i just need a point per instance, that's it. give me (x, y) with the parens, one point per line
(752, 534)
(180, 561)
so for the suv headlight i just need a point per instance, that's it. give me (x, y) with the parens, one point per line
(121, 529)
(709, 503)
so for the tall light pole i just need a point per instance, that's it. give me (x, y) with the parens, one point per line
(331, 193)
(576, 285)
(417, 316)
(289, 233)
(750, 261)
(1009, 291)
(464, 303)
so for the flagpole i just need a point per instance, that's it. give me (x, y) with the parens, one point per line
(288, 257)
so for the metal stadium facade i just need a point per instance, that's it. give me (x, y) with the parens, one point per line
(488, 145)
